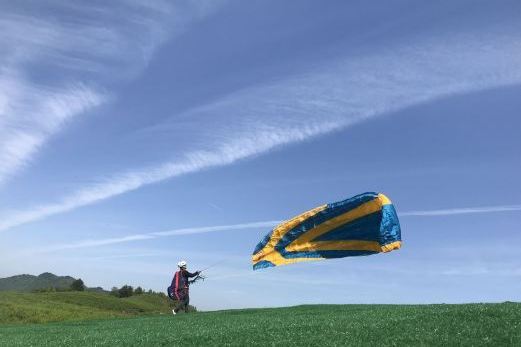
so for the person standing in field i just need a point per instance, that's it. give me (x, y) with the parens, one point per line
(178, 290)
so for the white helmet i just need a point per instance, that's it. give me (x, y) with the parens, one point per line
(182, 263)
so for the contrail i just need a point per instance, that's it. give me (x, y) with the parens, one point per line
(154, 235)
(467, 210)
(264, 224)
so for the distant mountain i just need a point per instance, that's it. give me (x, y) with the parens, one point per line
(28, 283)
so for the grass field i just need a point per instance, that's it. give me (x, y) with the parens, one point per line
(338, 325)
(64, 306)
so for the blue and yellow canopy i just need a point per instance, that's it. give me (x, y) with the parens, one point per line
(362, 225)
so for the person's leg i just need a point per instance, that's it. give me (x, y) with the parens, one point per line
(177, 306)
(186, 302)
(179, 301)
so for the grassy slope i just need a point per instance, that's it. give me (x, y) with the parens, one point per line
(62, 306)
(476, 324)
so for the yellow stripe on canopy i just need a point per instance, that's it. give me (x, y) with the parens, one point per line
(281, 230)
(304, 240)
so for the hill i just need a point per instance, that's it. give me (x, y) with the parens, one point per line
(321, 325)
(46, 280)
(16, 308)
(28, 283)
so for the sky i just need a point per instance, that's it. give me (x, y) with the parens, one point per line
(136, 135)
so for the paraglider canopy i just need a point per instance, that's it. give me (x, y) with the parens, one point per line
(362, 225)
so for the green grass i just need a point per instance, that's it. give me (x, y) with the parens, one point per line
(339, 325)
(17, 308)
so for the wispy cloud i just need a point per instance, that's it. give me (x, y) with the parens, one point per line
(332, 97)
(30, 115)
(167, 233)
(257, 225)
(482, 270)
(214, 206)
(466, 210)
(196, 161)
(54, 61)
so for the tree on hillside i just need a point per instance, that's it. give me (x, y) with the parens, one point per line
(126, 291)
(138, 291)
(114, 291)
(78, 285)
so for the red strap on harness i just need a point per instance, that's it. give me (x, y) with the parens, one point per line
(176, 288)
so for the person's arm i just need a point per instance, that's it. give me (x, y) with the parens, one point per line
(189, 274)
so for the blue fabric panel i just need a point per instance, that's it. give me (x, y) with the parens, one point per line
(262, 264)
(366, 228)
(344, 253)
(390, 226)
(263, 243)
(351, 203)
(324, 254)
(333, 210)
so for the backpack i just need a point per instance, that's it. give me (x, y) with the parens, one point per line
(170, 292)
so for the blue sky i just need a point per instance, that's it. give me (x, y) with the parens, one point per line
(133, 136)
